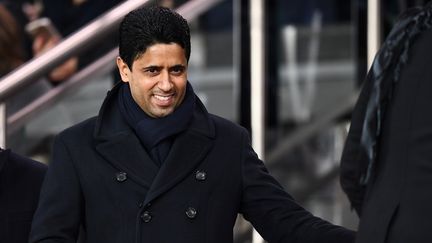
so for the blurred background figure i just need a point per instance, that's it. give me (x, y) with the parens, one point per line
(20, 182)
(45, 37)
(15, 49)
(67, 17)
(12, 39)
(63, 17)
(386, 164)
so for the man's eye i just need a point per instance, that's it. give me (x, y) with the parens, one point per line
(152, 70)
(177, 70)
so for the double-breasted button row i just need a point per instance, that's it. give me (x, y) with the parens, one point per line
(200, 175)
(121, 176)
(191, 213)
(146, 216)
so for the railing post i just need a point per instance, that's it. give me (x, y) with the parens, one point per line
(2, 124)
(374, 31)
(257, 37)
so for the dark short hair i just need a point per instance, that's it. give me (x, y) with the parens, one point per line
(147, 26)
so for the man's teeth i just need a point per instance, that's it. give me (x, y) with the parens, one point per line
(163, 98)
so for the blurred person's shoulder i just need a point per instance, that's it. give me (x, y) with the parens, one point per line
(18, 165)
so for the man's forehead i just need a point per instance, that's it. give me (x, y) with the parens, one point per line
(162, 53)
(160, 58)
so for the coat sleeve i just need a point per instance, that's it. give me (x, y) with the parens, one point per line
(59, 213)
(275, 214)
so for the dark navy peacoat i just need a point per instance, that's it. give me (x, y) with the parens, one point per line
(102, 179)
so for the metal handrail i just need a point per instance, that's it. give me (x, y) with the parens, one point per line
(189, 10)
(101, 66)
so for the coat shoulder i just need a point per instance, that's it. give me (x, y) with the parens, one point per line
(223, 124)
(80, 130)
(26, 164)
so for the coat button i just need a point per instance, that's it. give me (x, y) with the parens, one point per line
(146, 216)
(121, 176)
(191, 212)
(200, 175)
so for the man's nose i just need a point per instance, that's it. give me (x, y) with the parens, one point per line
(165, 83)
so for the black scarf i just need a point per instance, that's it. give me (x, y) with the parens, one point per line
(156, 134)
(385, 73)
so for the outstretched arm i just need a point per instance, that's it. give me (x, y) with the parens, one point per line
(275, 214)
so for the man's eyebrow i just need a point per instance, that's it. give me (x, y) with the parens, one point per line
(151, 67)
(178, 66)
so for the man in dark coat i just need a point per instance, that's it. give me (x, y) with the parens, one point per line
(154, 166)
(20, 182)
(386, 166)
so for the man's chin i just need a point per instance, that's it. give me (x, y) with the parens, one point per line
(160, 113)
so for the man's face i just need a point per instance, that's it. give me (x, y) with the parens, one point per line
(158, 78)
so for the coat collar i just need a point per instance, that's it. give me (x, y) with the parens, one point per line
(119, 145)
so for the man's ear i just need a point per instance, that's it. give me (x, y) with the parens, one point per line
(124, 70)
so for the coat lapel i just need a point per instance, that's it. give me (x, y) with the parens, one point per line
(119, 145)
(187, 152)
(126, 153)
